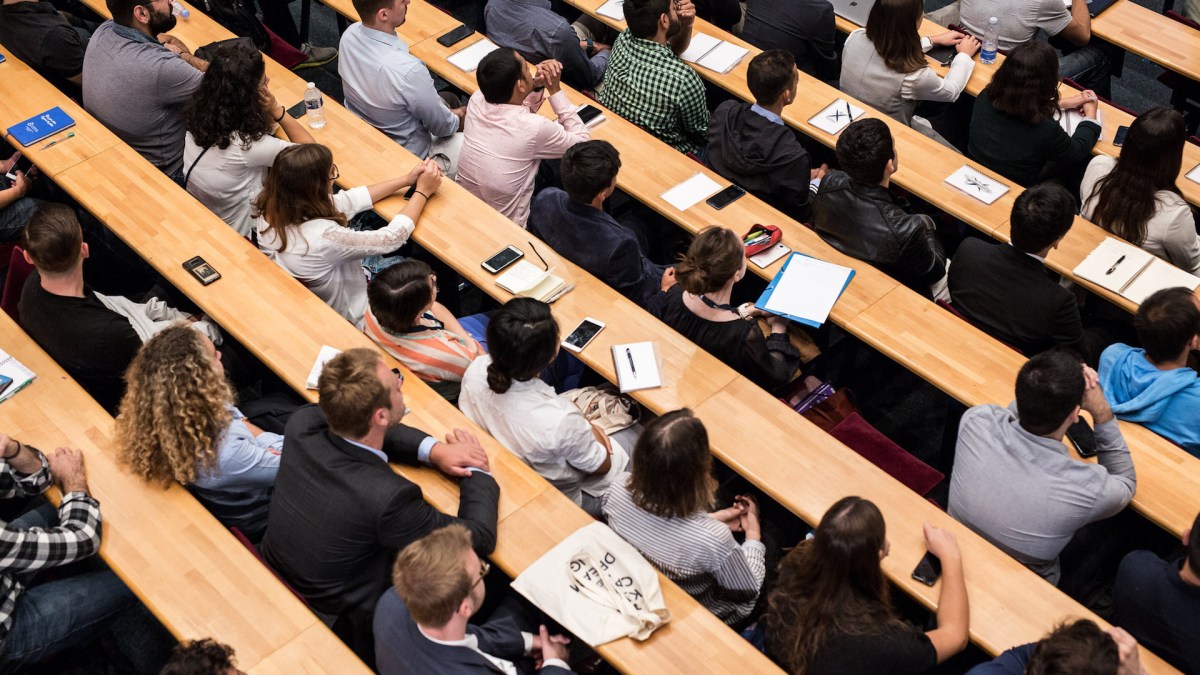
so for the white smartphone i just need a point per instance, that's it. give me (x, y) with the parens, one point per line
(509, 255)
(583, 334)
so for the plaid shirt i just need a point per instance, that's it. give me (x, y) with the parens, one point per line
(648, 85)
(77, 536)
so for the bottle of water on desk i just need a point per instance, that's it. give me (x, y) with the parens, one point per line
(180, 11)
(991, 41)
(314, 106)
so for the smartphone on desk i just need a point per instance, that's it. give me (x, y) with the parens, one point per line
(725, 197)
(455, 36)
(1083, 438)
(504, 258)
(929, 570)
(587, 113)
(297, 111)
(583, 334)
(1119, 139)
(204, 272)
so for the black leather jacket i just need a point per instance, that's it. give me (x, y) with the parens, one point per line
(865, 222)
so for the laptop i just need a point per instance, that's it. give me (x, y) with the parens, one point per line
(856, 11)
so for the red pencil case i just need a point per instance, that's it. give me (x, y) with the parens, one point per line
(756, 232)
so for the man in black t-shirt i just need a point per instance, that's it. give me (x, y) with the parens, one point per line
(38, 34)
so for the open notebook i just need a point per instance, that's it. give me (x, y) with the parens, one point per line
(14, 375)
(637, 366)
(713, 53)
(1131, 272)
(525, 279)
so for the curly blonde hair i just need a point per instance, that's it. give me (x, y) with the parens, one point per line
(175, 409)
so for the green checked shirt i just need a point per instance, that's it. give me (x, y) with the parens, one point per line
(648, 85)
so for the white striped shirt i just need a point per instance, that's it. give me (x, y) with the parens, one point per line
(697, 552)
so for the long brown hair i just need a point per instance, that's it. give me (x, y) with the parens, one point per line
(712, 259)
(1025, 86)
(297, 190)
(1149, 161)
(832, 583)
(675, 445)
(892, 28)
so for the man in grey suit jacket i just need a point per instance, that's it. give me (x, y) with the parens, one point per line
(339, 513)
(421, 625)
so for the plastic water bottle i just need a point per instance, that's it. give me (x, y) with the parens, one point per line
(991, 41)
(180, 11)
(314, 106)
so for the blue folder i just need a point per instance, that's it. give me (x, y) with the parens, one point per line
(761, 303)
(40, 127)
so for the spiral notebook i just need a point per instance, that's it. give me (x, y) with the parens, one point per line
(14, 376)
(637, 366)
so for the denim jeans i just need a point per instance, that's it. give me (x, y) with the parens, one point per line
(14, 217)
(1090, 67)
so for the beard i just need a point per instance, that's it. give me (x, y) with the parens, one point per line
(161, 22)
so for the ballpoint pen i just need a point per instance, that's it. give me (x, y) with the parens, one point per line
(1114, 265)
(849, 113)
(629, 355)
(59, 140)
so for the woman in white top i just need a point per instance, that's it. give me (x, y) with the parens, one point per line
(1134, 196)
(229, 147)
(302, 225)
(501, 392)
(884, 64)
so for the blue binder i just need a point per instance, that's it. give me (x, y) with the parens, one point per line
(761, 303)
(40, 127)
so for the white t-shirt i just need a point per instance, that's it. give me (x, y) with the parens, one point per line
(227, 181)
(545, 430)
(1019, 19)
(327, 258)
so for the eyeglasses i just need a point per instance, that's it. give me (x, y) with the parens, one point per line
(484, 568)
(399, 376)
(336, 174)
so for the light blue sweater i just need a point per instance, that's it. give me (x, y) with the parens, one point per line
(1165, 401)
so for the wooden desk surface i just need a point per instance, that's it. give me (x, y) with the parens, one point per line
(1145, 32)
(36, 96)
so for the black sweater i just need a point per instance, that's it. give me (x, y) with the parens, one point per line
(1020, 151)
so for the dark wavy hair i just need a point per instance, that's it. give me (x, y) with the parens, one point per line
(1025, 86)
(200, 657)
(522, 340)
(226, 104)
(1149, 161)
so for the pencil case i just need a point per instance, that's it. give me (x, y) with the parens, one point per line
(761, 238)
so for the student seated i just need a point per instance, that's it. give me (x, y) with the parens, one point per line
(502, 393)
(302, 225)
(202, 657)
(1159, 602)
(1014, 127)
(533, 29)
(648, 84)
(1013, 481)
(1154, 386)
(228, 148)
(405, 318)
(1004, 289)
(884, 65)
(16, 207)
(830, 612)
(724, 14)
(422, 623)
(672, 524)
(506, 138)
(178, 422)
(855, 212)
(1077, 647)
(1134, 195)
(751, 145)
(135, 80)
(576, 226)
(803, 27)
(698, 307)
(47, 40)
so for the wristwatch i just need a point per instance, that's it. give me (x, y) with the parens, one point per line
(591, 47)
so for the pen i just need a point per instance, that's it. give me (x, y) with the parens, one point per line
(629, 355)
(848, 112)
(1114, 267)
(60, 140)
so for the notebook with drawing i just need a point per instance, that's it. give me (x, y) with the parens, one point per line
(979, 186)
(1131, 272)
(637, 366)
(836, 116)
(713, 53)
(14, 374)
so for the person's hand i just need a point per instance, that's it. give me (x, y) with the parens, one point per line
(819, 172)
(1089, 108)
(668, 279)
(777, 324)
(1071, 102)
(551, 72)
(686, 12)
(601, 438)
(21, 185)
(411, 177)
(941, 543)
(430, 179)
(7, 164)
(950, 37)
(731, 516)
(749, 520)
(601, 47)
(1129, 660)
(550, 646)
(268, 102)
(461, 114)
(458, 454)
(1093, 397)
(968, 45)
(66, 466)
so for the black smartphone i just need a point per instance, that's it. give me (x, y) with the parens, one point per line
(23, 164)
(455, 36)
(1119, 139)
(941, 55)
(587, 113)
(1083, 438)
(204, 272)
(297, 111)
(508, 256)
(725, 197)
(929, 570)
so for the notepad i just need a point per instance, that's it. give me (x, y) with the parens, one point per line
(805, 289)
(1131, 272)
(613, 9)
(527, 280)
(713, 53)
(1069, 120)
(323, 357)
(836, 116)
(637, 366)
(691, 191)
(40, 127)
(765, 259)
(467, 60)
(979, 186)
(1194, 174)
(21, 376)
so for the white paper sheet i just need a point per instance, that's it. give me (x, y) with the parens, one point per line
(1069, 121)
(613, 9)
(691, 191)
(833, 118)
(700, 45)
(467, 60)
(1194, 174)
(979, 186)
(723, 57)
(1158, 275)
(808, 289)
(323, 357)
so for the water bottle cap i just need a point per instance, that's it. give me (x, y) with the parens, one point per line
(312, 85)
(993, 20)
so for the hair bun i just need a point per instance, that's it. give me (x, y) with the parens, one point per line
(497, 381)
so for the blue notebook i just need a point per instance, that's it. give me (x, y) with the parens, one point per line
(41, 126)
(805, 289)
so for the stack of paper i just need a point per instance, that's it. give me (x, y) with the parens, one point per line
(713, 53)
(1131, 272)
(467, 60)
(836, 116)
(805, 289)
(637, 366)
(979, 186)
(1069, 120)
(14, 375)
(613, 9)
(525, 279)
(689, 193)
(323, 357)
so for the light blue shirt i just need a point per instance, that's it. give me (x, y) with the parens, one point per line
(422, 450)
(392, 90)
(767, 114)
(244, 461)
